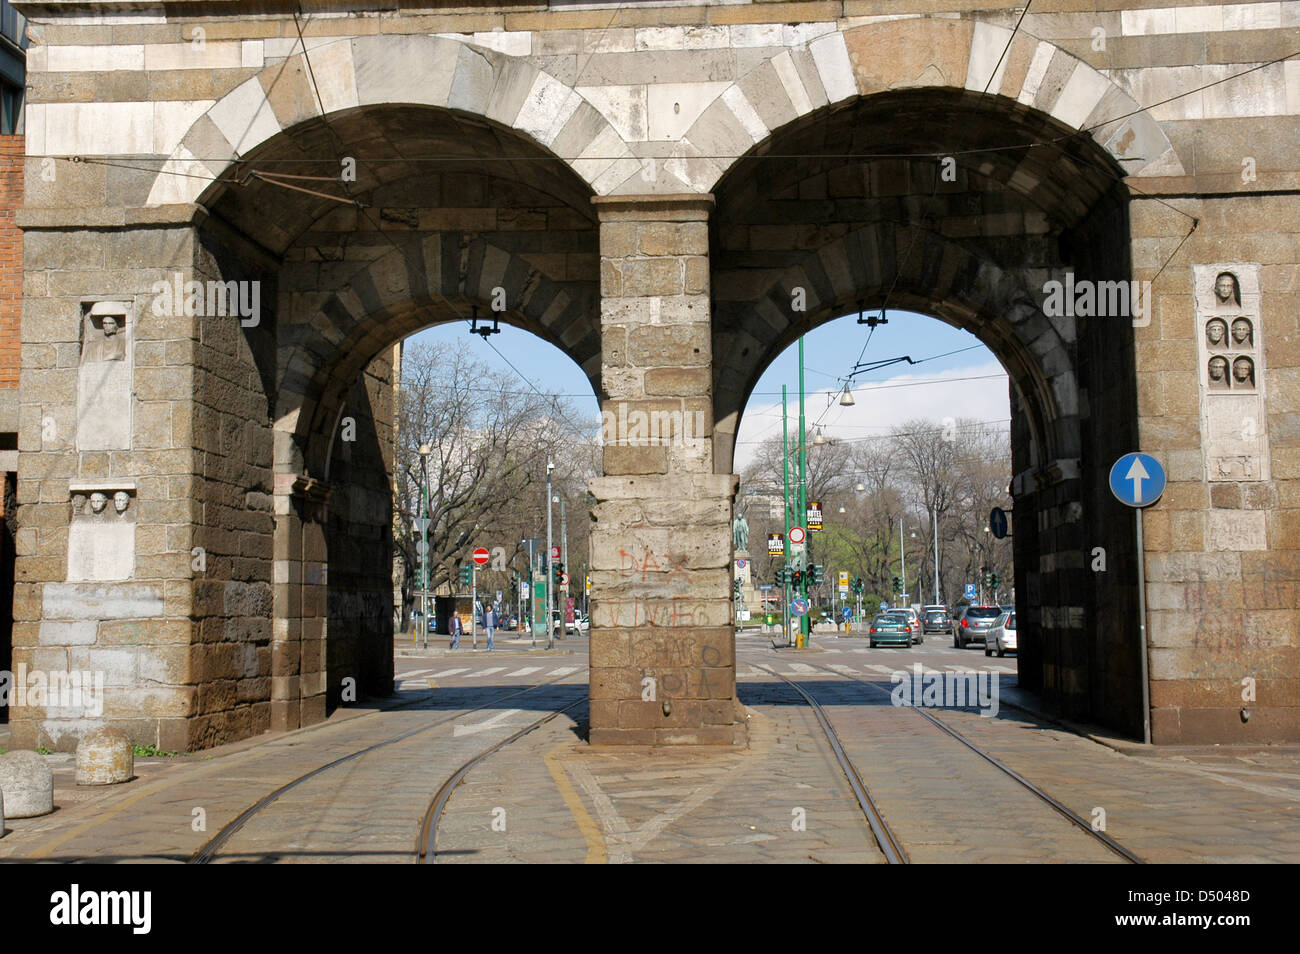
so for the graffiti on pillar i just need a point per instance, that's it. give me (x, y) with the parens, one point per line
(630, 565)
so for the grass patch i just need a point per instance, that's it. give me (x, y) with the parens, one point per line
(42, 750)
(151, 751)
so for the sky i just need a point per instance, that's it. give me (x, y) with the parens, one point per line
(969, 383)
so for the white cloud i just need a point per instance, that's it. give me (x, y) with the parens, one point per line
(974, 392)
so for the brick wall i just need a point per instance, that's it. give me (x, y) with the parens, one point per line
(11, 257)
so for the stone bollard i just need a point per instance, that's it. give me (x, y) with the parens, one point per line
(27, 785)
(104, 757)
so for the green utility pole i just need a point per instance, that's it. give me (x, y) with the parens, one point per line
(785, 468)
(805, 626)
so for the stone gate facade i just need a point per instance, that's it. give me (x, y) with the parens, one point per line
(232, 213)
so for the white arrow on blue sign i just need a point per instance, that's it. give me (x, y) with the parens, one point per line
(1137, 480)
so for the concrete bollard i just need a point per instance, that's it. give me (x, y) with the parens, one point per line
(27, 785)
(104, 757)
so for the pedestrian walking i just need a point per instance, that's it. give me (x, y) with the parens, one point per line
(490, 624)
(454, 627)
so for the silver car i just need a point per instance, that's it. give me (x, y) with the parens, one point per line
(973, 625)
(1002, 637)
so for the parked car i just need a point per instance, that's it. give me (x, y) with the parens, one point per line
(891, 628)
(936, 620)
(974, 625)
(1002, 637)
(580, 624)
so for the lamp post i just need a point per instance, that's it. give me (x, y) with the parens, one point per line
(425, 451)
(564, 556)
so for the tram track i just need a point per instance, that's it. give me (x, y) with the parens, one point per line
(886, 838)
(209, 850)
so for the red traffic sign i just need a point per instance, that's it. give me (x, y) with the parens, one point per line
(481, 556)
(555, 554)
(797, 534)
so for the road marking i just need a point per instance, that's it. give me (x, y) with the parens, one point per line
(494, 722)
(525, 671)
(843, 670)
(596, 853)
(881, 669)
(449, 672)
(801, 669)
(1003, 669)
(563, 670)
(486, 672)
(414, 674)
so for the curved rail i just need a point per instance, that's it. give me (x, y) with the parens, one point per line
(885, 838)
(426, 843)
(209, 849)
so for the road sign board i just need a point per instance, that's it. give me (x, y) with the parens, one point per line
(797, 535)
(740, 564)
(846, 614)
(844, 577)
(883, 606)
(998, 522)
(421, 547)
(971, 591)
(798, 606)
(481, 556)
(555, 554)
(1137, 480)
(775, 544)
(420, 523)
(564, 579)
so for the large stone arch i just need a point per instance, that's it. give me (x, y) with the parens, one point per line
(967, 292)
(958, 54)
(409, 288)
(351, 73)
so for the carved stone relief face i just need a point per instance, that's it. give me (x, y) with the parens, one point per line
(1218, 372)
(1215, 332)
(1226, 289)
(1243, 372)
(98, 502)
(1242, 333)
(121, 500)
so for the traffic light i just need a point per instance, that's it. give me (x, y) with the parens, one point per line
(993, 581)
(557, 571)
(859, 586)
(735, 589)
(797, 578)
(466, 574)
(817, 574)
(898, 585)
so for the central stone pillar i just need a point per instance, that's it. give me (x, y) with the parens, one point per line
(662, 637)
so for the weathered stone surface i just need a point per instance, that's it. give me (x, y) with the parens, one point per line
(104, 757)
(27, 784)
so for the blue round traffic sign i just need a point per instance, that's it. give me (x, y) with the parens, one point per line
(998, 522)
(846, 613)
(799, 606)
(1137, 480)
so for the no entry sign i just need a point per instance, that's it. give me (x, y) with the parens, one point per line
(481, 556)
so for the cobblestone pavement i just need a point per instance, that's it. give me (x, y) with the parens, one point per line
(783, 798)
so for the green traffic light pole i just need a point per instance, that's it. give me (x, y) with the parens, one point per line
(785, 468)
(805, 627)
